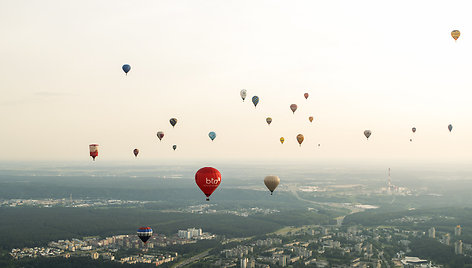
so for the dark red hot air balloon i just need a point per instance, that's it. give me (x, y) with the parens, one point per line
(306, 95)
(208, 179)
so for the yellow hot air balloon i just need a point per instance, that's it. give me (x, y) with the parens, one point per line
(282, 140)
(455, 34)
(300, 139)
(271, 182)
(310, 118)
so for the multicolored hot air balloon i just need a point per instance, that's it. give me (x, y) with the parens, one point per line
(144, 233)
(300, 139)
(306, 95)
(449, 127)
(126, 68)
(243, 94)
(212, 135)
(136, 152)
(310, 118)
(269, 120)
(160, 135)
(173, 121)
(208, 179)
(367, 133)
(271, 182)
(93, 150)
(255, 100)
(293, 107)
(282, 140)
(174, 147)
(455, 34)
(413, 129)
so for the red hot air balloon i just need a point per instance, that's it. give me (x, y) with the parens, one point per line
(93, 150)
(208, 179)
(306, 95)
(293, 107)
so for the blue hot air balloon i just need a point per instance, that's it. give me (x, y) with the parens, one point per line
(144, 233)
(126, 68)
(212, 135)
(173, 121)
(255, 100)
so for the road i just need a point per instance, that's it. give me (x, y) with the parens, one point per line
(192, 259)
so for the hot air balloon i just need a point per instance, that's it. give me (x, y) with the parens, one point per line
(310, 118)
(173, 121)
(126, 68)
(300, 139)
(160, 135)
(212, 135)
(319, 145)
(282, 140)
(255, 100)
(243, 94)
(93, 150)
(367, 133)
(268, 120)
(449, 127)
(271, 182)
(455, 34)
(413, 129)
(208, 179)
(144, 233)
(136, 152)
(293, 107)
(306, 95)
(411, 140)
(174, 147)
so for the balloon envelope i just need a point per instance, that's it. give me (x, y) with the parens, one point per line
(212, 135)
(413, 129)
(293, 107)
(271, 182)
(126, 68)
(282, 140)
(449, 127)
(174, 147)
(268, 120)
(306, 95)
(144, 233)
(93, 148)
(136, 152)
(243, 94)
(173, 121)
(208, 179)
(367, 133)
(310, 118)
(255, 100)
(160, 135)
(455, 34)
(300, 139)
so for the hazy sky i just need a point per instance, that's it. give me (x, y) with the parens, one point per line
(378, 65)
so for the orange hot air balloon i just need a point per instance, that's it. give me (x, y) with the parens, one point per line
(306, 95)
(300, 139)
(282, 140)
(208, 179)
(310, 118)
(93, 150)
(293, 107)
(455, 34)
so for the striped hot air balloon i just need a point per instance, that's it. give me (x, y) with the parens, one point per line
(144, 233)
